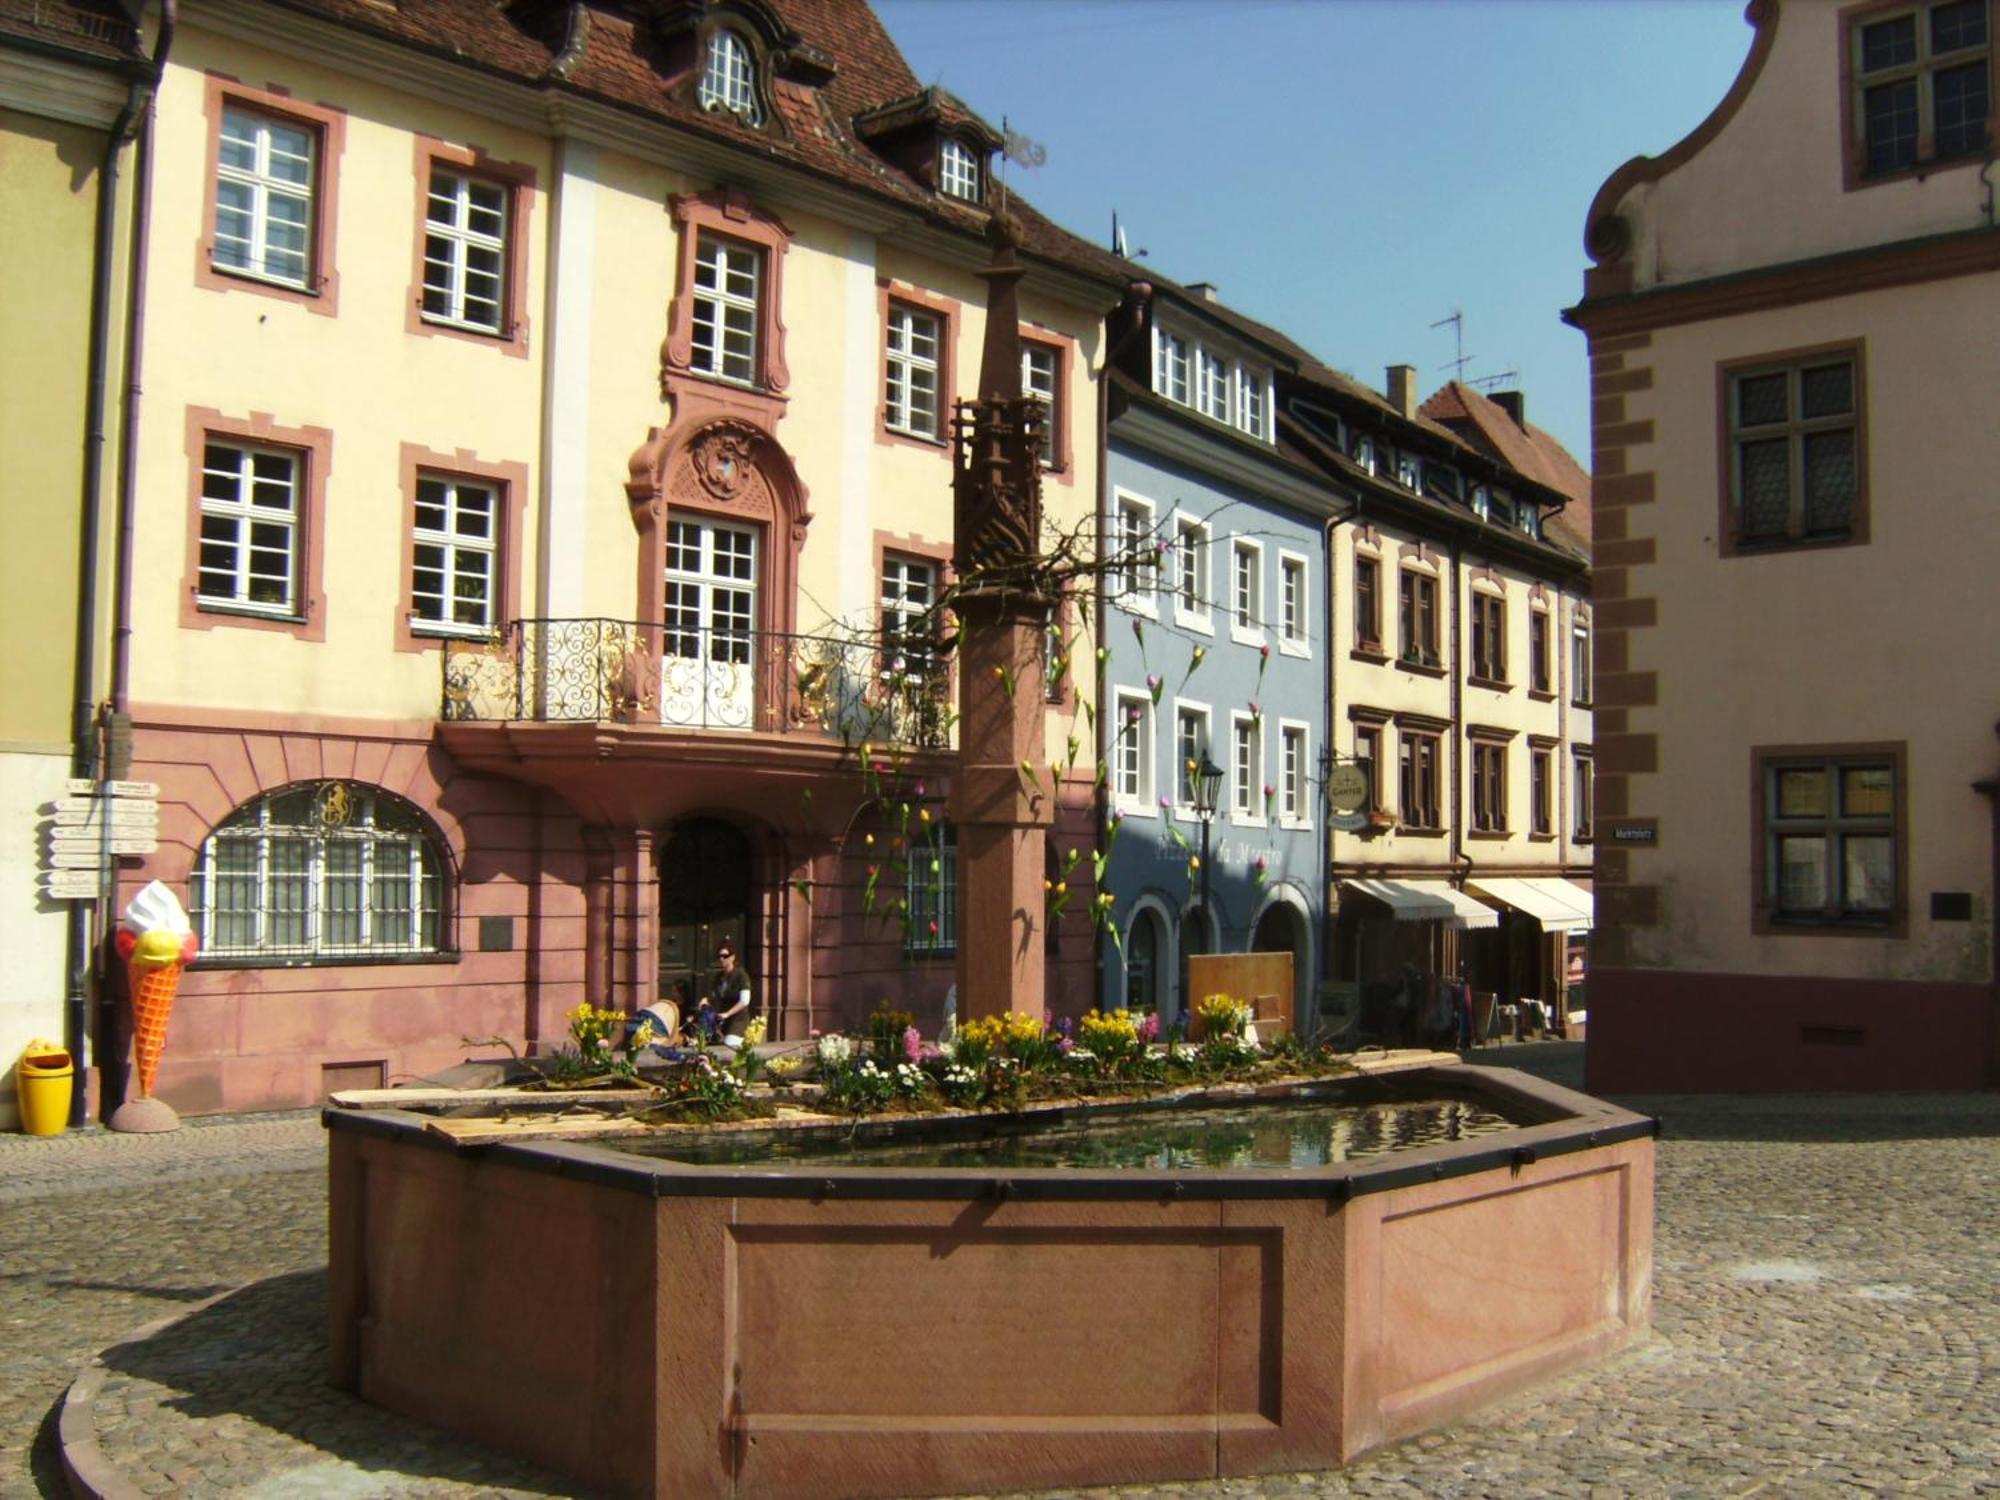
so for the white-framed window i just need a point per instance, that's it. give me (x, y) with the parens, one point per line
(1212, 385)
(1191, 565)
(251, 513)
(1246, 768)
(1041, 375)
(1139, 566)
(931, 888)
(1170, 366)
(1579, 663)
(1253, 404)
(916, 342)
(1132, 751)
(729, 77)
(728, 281)
(264, 197)
(909, 630)
(1246, 589)
(1191, 748)
(958, 170)
(329, 872)
(455, 576)
(1294, 770)
(1366, 457)
(1294, 605)
(1409, 472)
(465, 251)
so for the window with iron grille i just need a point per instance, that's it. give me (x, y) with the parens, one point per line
(915, 344)
(1489, 787)
(1794, 452)
(1922, 85)
(1418, 767)
(1830, 833)
(958, 170)
(251, 514)
(932, 891)
(328, 873)
(1489, 637)
(264, 194)
(729, 77)
(728, 277)
(465, 251)
(456, 556)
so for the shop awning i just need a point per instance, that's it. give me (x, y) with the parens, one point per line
(1426, 901)
(1559, 905)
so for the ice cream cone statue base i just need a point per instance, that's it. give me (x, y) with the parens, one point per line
(157, 942)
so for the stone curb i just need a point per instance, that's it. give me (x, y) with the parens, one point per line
(91, 1475)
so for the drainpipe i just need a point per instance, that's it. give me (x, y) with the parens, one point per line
(1458, 855)
(1138, 297)
(84, 760)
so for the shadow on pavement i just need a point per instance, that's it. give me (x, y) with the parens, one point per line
(260, 1355)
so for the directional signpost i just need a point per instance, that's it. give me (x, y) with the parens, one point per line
(93, 825)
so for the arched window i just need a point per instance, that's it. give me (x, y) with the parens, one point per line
(320, 873)
(729, 77)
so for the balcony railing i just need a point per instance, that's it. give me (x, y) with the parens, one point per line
(570, 671)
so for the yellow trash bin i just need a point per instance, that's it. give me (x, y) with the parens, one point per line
(47, 1076)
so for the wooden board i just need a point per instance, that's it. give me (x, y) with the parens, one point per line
(1262, 979)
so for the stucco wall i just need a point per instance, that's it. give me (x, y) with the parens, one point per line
(1869, 643)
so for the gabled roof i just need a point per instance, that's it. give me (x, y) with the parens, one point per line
(1486, 426)
(619, 54)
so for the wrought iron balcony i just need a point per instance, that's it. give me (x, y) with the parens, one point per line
(703, 678)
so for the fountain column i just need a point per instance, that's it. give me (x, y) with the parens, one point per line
(1003, 799)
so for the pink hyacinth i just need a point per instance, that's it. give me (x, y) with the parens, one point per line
(913, 1044)
(1149, 1027)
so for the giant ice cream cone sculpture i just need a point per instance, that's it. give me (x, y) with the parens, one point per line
(156, 941)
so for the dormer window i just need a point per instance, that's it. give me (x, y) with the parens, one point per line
(958, 171)
(1409, 473)
(729, 77)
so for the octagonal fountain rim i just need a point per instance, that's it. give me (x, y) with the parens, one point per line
(1557, 1122)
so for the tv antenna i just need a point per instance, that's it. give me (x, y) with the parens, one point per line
(1489, 382)
(1457, 322)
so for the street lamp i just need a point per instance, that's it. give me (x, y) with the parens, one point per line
(1207, 786)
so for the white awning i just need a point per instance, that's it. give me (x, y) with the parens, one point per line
(1559, 905)
(1426, 901)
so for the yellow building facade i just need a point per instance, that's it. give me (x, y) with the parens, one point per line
(543, 490)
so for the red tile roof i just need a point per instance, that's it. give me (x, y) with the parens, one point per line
(624, 61)
(1483, 424)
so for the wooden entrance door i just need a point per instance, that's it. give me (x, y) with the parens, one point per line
(705, 896)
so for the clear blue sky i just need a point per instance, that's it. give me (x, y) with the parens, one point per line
(1347, 170)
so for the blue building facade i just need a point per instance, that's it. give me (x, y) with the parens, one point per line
(1214, 656)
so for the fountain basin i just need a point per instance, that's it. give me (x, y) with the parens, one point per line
(800, 1329)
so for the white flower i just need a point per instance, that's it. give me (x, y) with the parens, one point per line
(834, 1050)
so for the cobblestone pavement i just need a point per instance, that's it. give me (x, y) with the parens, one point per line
(1826, 1322)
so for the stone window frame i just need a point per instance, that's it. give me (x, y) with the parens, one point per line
(328, 124)
(510, 481)
(1487, 600)
(1764, 920)
(731, 215)
(1790, 361)
(1853, 137)
(889, 296)
(313, 448)
(1487, 782)
(520, 181)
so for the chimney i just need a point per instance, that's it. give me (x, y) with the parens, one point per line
(1208, 291)
(1515, 405)
(1402, 389)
